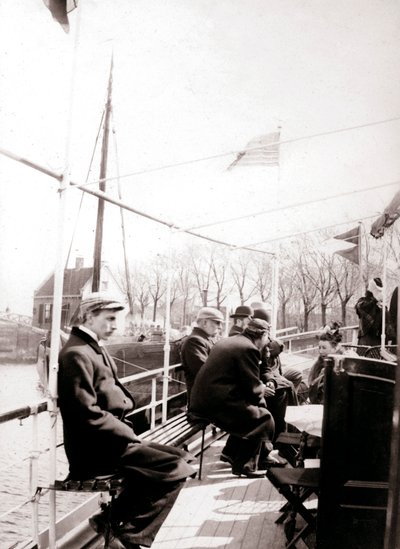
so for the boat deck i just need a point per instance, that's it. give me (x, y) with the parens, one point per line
(223, 510)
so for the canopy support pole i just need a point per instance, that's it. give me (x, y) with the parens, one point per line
(167, 345)
(53, 370)
(275, 288)
(384, 294)
(57, 297)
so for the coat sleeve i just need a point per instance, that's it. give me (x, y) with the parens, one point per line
(80, 401)
(194, 353)
(249, 377)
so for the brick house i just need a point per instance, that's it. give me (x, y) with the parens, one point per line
(77, 284)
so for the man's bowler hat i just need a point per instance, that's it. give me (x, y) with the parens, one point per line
(243, 311)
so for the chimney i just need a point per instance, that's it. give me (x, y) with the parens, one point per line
(78, 262)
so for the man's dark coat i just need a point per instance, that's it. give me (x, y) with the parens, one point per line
(194, 353)
(228, 390)
(93, 404)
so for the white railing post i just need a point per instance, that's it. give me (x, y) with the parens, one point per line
(33, 475)
(153, 403)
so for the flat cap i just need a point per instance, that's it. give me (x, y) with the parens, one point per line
(209, 313)
(243, 311)
(99, 301)
(257, 327)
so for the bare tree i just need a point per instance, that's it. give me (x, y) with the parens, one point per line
(185, 283)
(142, 294)
(319, 268)
(157, 282)
(286, 290)
(219, 271)
(307, 289)
(347, 280)
(262, 277)
(201, 270)
(240, 270)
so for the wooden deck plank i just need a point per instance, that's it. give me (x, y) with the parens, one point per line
(223, 511)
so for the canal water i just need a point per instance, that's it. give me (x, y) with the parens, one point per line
(20, 386)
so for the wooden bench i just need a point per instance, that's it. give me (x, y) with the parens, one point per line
(177, 431)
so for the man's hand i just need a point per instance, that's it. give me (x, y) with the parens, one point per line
(269, 389)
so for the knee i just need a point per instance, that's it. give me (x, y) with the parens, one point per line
(293, 375)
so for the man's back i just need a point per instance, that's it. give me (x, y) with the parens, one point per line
(231, 373)
(195, 350)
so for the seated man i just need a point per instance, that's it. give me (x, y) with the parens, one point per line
(241, 317)
(229, 393)
(99, 440)
(288, 377)
(197, 346)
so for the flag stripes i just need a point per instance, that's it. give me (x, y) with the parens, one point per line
(260, 151)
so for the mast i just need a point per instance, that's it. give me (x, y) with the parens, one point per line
(102, 186)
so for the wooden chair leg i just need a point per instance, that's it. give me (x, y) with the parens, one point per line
(203, 433)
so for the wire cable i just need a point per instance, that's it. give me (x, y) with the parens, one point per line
(230, 153)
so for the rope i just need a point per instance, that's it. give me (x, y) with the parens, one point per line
(132, 364)
(83, 194)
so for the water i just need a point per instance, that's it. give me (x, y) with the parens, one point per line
(19, 387)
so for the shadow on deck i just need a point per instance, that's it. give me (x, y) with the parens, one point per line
(223, 511)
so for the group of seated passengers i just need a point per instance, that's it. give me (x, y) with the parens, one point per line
(237, 383)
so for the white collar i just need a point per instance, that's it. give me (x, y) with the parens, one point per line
(91, 333)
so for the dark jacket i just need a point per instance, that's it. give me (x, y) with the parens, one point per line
(194, 353)
(370, 314)
(93, 404)
(235, 330)
(228, 389)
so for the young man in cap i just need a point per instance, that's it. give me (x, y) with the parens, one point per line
(228, 391)
(241, 317)
(99, 440)
(197, 346)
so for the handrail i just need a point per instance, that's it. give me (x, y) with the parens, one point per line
(41, 406)
(304, 335)
(26, 411)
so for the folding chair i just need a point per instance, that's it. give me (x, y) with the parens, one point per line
(296, 485)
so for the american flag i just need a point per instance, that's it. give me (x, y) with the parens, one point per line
(260, 151)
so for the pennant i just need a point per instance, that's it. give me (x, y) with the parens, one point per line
(352, 237)
(59, 9)
(389, 216)
(261, 151)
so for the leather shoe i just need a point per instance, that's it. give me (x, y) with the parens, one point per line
(246, 472)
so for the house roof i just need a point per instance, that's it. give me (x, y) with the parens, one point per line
(74, 280)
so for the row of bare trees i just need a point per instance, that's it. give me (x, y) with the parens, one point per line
(313, 285)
